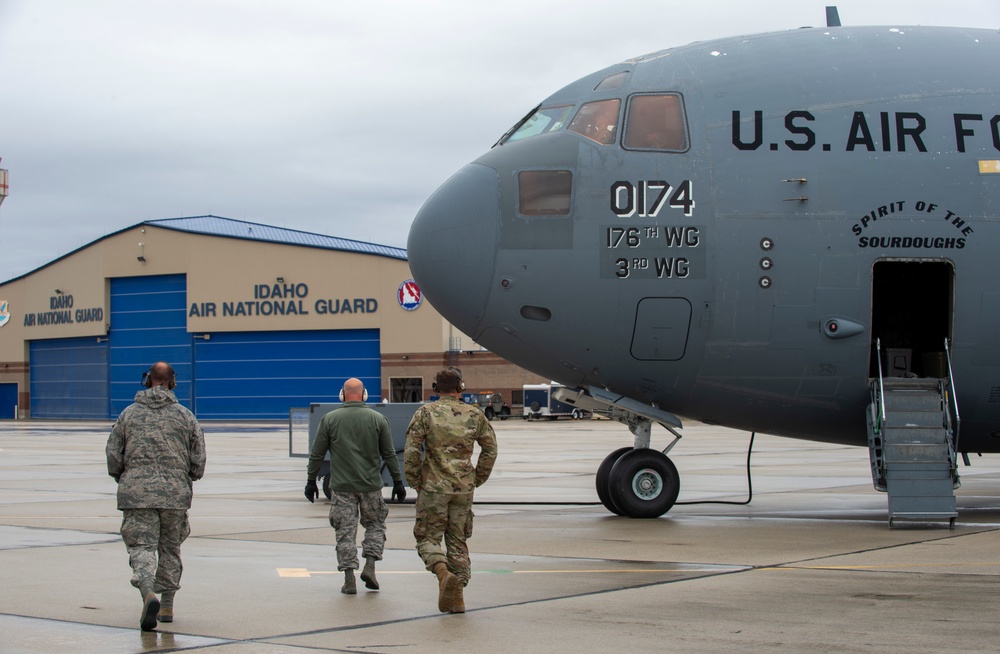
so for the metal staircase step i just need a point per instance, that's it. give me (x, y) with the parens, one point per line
(912, 418)
(912, 401)
(894, 453)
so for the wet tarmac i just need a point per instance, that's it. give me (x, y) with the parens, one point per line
(809, 565)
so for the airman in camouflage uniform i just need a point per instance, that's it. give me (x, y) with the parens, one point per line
(358, 440)
(438, 464)
(155, 451)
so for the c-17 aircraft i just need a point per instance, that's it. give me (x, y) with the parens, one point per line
(789, 233)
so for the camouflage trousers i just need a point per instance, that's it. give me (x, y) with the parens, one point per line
(450, 516)
(344, 512)
(153, 539)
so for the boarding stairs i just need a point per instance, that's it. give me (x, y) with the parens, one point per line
(912, 436)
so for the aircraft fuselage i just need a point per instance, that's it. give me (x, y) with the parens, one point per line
(813, 191)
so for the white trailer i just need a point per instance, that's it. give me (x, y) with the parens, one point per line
(539, 403)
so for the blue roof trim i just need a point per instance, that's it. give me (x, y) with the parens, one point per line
(227, 227)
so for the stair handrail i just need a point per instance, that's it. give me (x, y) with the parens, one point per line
(952, 395)
(878, 396)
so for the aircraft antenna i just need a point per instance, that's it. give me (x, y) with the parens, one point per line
(832, 17)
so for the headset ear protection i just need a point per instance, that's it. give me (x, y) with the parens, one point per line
(147, 379)
(458, 373)
(364, 394)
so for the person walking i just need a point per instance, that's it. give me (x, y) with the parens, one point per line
(358, 440)
(438, 464)
(155, 452)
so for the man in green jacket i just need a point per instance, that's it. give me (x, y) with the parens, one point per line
(358, 440)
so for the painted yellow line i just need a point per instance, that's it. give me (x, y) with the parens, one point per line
(303, 572)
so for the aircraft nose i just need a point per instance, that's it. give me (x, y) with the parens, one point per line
(452, 245)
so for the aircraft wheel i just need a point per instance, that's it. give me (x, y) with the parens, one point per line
(603, 480)
(644, 484)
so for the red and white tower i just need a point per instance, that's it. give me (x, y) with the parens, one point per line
(3, 183)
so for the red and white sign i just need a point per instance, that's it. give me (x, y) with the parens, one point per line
(409, 295)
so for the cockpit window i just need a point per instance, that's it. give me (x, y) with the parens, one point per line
(655, 122)
(597, 121)
(612, 81)
(542, 120)
(544, 192)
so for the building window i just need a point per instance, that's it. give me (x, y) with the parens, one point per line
(406, 389)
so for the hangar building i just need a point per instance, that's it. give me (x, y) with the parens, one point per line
(255, 319)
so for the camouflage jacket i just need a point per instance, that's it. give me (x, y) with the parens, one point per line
(358, 440)
(447, 431)
(155, 451)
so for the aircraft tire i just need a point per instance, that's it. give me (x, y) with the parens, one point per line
(644, 484)
(603, 479)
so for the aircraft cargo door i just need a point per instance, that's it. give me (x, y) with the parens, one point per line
(661, 329)
(912, 316)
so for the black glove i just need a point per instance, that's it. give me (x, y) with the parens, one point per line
(398, 491)
(311, 491)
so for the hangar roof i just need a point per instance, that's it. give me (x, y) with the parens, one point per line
(217, 226)
(229, 228)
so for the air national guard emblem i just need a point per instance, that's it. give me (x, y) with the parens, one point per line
(409, 295)
(4, 313)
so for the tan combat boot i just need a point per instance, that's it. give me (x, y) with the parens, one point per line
(458, 605)
(166, 607)
(447, 586)
(150, 607)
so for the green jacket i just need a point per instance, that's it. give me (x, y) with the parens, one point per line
(358, 440)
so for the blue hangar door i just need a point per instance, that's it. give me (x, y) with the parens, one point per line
(261, 375)
(69, 378)
(148, 324)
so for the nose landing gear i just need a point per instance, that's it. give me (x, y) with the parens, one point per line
(638, 482)
(635, 482)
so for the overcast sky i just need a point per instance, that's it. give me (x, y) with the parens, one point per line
(325, 116)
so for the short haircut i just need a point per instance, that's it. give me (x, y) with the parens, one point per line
(448, 381)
